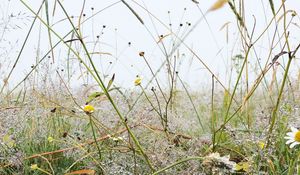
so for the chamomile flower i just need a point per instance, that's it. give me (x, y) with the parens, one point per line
(293, 137)
(88, 109)
(137, 81)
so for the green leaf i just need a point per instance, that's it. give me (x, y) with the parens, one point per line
(272, 6)
(111, 81)
(94, 95)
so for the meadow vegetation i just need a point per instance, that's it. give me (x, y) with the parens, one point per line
(49, 126)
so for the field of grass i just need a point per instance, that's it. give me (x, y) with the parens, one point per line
(160, 124)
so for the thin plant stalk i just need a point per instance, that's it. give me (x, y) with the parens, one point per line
(191, 100)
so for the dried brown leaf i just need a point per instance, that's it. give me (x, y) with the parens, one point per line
(82, 172)
(217, 5)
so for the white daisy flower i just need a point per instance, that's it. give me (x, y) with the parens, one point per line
(293, 137)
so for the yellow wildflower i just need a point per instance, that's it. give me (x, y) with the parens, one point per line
(8, 141)
(137, 81)
(242, 166)
(34, 166)
(50, 139)
(261, 145)
(88, 109)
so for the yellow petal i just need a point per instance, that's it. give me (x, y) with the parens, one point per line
(11, 144)
(8, 141)
(261, 144)
(238, 167)
(34, 166)
(6, 138)
(50, 139)
(137, 81)
(88, 108)
(246, 166)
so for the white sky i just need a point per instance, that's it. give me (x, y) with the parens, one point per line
(207, 40)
